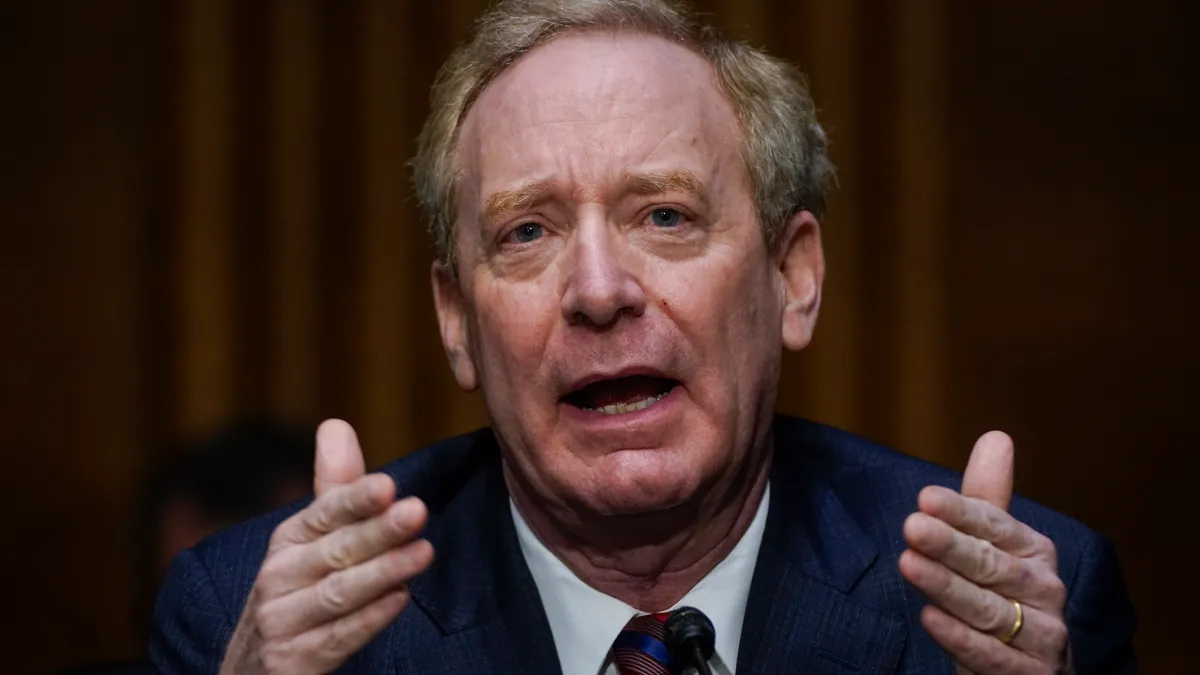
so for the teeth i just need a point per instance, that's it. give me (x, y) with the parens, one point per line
(620, 408)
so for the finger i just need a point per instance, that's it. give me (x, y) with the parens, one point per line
(982, 563)
(989, 474)
(986, 521)
(974, 650)
(327, 647)
(344, 592)
(339, 458)
(978, 607)
(982, 609)
(1041, 635)
(351, 545)
(340, 506)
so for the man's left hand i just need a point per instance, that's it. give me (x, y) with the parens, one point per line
(974, 561)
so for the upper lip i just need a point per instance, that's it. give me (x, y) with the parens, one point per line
(630, 371)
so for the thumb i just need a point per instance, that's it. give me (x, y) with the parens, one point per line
(989, 474)
(339, 458)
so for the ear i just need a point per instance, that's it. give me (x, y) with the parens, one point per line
(452, 321)
(801, 263)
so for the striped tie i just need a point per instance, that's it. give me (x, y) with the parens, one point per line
(639, 649)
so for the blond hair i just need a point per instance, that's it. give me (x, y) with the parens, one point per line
(784, 147)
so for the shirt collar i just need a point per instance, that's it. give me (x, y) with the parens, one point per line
(585, 621)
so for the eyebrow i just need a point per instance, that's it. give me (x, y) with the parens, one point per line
(538, 192)
(662, 182)
(519, 198)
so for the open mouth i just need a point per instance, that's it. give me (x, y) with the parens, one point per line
(621, 395)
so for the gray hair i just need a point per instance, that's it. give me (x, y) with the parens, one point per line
(785, 150)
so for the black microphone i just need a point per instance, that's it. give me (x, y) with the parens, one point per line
(691, 639)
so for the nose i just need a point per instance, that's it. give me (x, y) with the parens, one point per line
(600, 286)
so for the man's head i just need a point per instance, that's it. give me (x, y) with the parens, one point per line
(236, 472)
(214, 481)
(625, 206)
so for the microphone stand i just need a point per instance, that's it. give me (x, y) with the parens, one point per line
(698, 662)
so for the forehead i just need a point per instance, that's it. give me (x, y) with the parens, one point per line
(588, 108)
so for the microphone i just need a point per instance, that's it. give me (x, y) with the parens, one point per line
(690, 639)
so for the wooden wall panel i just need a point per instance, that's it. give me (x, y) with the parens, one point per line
(211, 218)
(1070, 251)
(294, 207)
(206, 338)
(829, 376)
(72, 275)
(921, 56)
(392, 242)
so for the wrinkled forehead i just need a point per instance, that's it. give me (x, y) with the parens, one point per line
(587, 109)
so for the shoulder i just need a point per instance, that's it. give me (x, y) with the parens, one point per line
(879, 487)
(436, 473)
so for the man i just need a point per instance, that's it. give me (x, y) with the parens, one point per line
(627, 210)
(238, 471)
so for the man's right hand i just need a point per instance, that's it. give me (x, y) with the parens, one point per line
(336, 573)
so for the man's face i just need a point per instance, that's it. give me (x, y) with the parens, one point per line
(615, 298)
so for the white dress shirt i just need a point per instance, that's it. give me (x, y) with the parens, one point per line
(585, 622)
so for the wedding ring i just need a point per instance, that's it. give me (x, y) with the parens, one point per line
(1017, 625)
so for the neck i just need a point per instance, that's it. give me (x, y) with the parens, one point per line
(650, 561)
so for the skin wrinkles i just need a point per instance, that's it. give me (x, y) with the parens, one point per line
(530, 195)
(640, 505)
(609, 128)
(521, 198)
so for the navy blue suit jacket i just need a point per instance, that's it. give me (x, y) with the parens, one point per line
(827, 596)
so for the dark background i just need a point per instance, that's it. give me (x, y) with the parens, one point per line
(206, 215)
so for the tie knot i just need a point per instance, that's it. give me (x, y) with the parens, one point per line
(641, 647)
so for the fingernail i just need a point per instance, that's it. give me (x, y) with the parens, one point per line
(407, 510)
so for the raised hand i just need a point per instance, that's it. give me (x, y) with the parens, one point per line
(974, 561)
(336, 573)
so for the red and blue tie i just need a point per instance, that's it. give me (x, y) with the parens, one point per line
(640, 649)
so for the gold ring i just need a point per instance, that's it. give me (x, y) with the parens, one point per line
(1017, 625)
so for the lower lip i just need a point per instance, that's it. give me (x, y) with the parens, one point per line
(659, 408)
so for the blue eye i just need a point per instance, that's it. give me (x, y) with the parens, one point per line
(665, 217)
(527, 232)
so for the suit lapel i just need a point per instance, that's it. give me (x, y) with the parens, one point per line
(807, 611)
(815, 606)
(485, 602)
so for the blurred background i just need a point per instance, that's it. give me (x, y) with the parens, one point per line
(207, 219)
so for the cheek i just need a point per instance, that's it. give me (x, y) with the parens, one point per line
(732, 304)
(513, 325)
(754, 326)
(730, 315)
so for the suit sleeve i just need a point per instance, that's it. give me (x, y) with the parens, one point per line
(191, 626)
(1100, 616)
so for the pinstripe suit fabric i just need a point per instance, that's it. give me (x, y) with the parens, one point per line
(826, 598)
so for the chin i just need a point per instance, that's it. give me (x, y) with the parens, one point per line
(631, 482)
